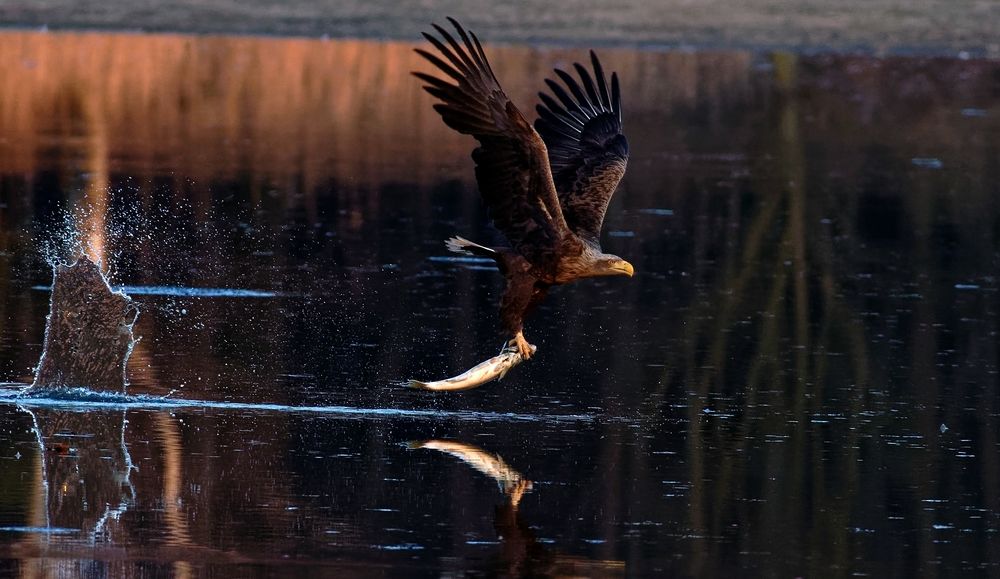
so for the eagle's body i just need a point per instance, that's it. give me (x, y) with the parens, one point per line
(547, 189)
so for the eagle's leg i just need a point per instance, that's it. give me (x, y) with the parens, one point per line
(523, 292)
(522, 345)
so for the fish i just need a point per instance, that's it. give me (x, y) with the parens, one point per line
(492, 369)
(511, 482)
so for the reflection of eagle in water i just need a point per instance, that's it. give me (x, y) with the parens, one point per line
(546, 190)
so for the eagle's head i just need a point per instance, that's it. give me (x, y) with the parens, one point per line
(614, 265)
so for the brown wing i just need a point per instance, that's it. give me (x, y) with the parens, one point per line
(588, 152)
(512, 166)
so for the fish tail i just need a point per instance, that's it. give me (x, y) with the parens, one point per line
(417, 384)
(464, 246)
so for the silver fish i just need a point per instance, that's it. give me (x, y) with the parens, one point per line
(492, 369)
(511, 482)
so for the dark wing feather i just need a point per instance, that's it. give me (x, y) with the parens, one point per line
(512, 165)
(588, 152)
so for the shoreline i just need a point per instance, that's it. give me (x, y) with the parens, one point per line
(873, 27)
(860, 50)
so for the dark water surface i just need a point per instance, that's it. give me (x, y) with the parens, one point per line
(801, 380)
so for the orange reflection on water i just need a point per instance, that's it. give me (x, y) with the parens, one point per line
(298, 112)
(211, 106)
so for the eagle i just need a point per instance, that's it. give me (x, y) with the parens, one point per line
(546, 187)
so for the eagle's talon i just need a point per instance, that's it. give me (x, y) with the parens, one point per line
(522, 345)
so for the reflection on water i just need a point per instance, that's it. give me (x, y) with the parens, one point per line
(83, 482)
(802, 377)
(522, 554)
(511, 483)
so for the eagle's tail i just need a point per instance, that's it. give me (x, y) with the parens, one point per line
(464, 246)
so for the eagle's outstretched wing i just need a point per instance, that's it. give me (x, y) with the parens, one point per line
(512, 166)
(588, 152)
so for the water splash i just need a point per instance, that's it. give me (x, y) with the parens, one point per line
(62, 241)
(88, 333)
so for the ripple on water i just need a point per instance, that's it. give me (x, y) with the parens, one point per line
(83, 399)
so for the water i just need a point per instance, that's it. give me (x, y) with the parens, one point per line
(801, 380)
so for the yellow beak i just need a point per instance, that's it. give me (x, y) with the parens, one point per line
(625, 267)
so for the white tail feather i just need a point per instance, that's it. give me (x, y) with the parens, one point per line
(460, 245)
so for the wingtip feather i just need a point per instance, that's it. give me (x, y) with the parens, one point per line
(616, 96)
(588, 85)
(583, 102)
(602, 83)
